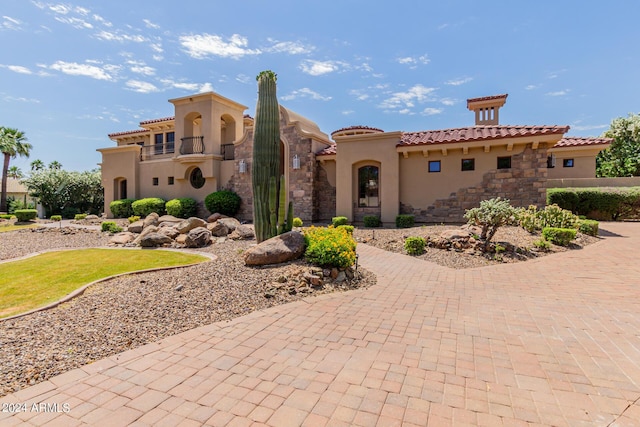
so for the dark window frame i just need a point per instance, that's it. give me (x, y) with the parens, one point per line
(170, 180)
(568, 163)
(504, 162)
(155, 181)
(196, 178)
(434, 163)
(368, 186)
(471, 162)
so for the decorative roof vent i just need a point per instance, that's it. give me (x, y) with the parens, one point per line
(355, 130)
(486, 108)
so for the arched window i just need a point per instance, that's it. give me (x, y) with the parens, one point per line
(368, 186)
(196, 179)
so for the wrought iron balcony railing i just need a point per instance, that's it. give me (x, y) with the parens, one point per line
(192, 145)
(148, 151)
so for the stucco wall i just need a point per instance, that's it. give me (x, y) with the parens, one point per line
(584, 164)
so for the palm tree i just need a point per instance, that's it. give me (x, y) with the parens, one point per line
(56, 165)
(37, 165)
(12, 143)
(15, 172)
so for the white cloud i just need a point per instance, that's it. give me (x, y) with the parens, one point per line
(150, 24)
(141, 87)
(21, 99)
(200, 46)
(207, 87)
(305, 92)
(531, 87)
(448, 101)
(409, 98)
(458, 81)
(347, 112)
(414, 61)
(588, 127)
(75, 69)
(17, 69)
(360, 94)
(292, 48)
(141, 68)
(120, 37)
(10, 23)
(191, 87)
(558, 93)
(78, 23)
(431, 111)
(318, 68)
(243, 78)
(101, 20)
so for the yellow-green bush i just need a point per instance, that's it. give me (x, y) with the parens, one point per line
(559, 236)
(329, 247)
(297, 222)
(414, 245)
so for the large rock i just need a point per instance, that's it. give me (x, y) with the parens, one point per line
(151, 219)
(217, 229)
(92, 218)
(455, 234)
(242, 232)
(231, 223)
(168, 218)
(285, 247)
(122, 238)
(152, 240)
(198, 238)
(170, 232)
(136, 226)
(189, 224)
(147, 230)
(215, 216)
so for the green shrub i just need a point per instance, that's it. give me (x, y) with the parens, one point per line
(565, 199)
(339, 220)
(491, 215)
(329, 247)
(80, 217)
(56, 218)
(542, 244)
(371, 221)
(528, 218)
(588, 226)
(414, 245)
(110, 227)
(556, 217)
(297, 222)
(133, 218)
(6, 216)
(347, 227)
(605, 203)
(184, 207)
(559, 236)
(121, 208)
(404, 221)
(25, 214)
(144, 207)
(225, 202)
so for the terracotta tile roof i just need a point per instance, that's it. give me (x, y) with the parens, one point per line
(476, 133)
(164, 119)
(127, 132)
(576, 141)
(487, 98)
(357, 127)
(328, 151)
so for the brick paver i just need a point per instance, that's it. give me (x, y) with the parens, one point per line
(552, 341)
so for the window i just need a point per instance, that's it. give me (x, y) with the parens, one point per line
(170, 138)
(551, 161)
(468, 164)
(196, 179)
(434, 166)
(158, 140)
(155, 181)
(368, 186)
(504, 162)
(170, 180)
(567, 163)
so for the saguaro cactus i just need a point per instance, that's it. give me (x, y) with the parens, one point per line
(268, 197)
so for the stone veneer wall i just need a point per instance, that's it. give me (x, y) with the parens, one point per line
(301, 181)
(325, 197)
(524, 184)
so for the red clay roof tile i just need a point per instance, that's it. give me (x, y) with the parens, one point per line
(356, 128)
(487, 98)
(164, 119)
(476, 133)
(576, 141)
(328, 151)
(127, 132)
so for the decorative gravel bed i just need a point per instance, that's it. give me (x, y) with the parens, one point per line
(133, 310)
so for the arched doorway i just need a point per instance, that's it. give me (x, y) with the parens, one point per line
(367, 190)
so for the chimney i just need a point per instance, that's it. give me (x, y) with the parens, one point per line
(486, 108)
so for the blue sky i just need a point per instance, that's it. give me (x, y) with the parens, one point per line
(73, 72)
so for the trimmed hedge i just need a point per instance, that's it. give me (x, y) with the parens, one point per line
(371, 221)
(414, 245)
(144, 207)
(404, 221)
(297, 222)
(121, 208)
(56, 218)
(559, 236)
(225, 202)
(605, 203)
(80, 217)
(349, 228)
(110, 226)
(25, 214)
(339, 220)
(6, 216)
(588, 226)
(184, 207)
(329, 247)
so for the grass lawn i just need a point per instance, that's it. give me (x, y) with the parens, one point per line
(37, 281)
(13, 227)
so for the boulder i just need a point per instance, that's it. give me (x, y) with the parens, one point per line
(136, 226)
(189, 224)
(215, 216)
(152, 240)
(198, 238)
(145, 231)
(285, 247)
(455, 234)
(170, 232)
(217, 229)
(92, 218)
(181, 239)
(168, 218)
(122, 238)
(231, 223)
(242, 232)
(151, 219)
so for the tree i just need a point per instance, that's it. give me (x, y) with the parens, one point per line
(15, 172)
(37, 165)
(13, 143)
(55, 165)
(622, 158)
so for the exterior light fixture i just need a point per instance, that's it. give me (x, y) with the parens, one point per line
(242, 166)
(296, 162)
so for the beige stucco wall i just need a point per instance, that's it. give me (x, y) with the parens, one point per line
(360, 150)
(584, 163)
(119, 162)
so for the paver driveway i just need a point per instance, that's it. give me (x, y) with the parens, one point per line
(555, 341)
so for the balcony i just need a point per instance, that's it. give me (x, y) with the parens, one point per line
(192, 145)
(227, 151)
(148, 152)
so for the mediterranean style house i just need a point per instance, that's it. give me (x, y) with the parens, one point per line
(435, 175)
